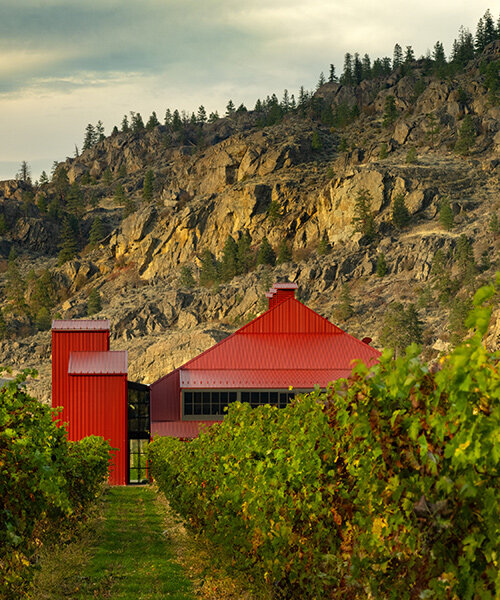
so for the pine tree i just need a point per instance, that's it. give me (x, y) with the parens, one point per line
(347, 77)
(274, 212)
(136, 122)
(345, 309)
(381, 268)
(16, 286)
(61, 183)
(321, 80)
(147, 188)
(152, 121)
(68, 242)
(401, 327)
(214, 116)
(75, 202)
(3, 224)
(324, 246)
(397, 59)
(390, 111)
(201, 116)
(358, 69)
(107, 176)
(208, 269)
(494, 224)
(433, 129)
(316, 143)
(3, 326)
(331, 76)
(383, 154)
(229, 262)
(96, 231)
(122, 171)
(245, 256)
(230, 109)
(446, 217)
(119, 195)
(125, 125)
(284, 253)
(265, 254)
(466, 136)
(99, 131)
(90, 138)
(409, 55)
(43, 320)
(400, 214)
(366, 68)
(168, 117)
(129, 207)
(411, 156)
(363, 218)
(94, 302)
(186, 278)
(439, 58)
(44, 180)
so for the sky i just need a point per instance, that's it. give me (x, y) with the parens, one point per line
(67, 63)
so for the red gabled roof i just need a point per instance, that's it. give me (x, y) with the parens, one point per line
(98, 363)
(289, 344)
(80, 325)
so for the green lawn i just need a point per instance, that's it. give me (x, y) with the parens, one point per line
(127, 557)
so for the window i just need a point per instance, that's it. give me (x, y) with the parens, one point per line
(138, 431)
(210, 404)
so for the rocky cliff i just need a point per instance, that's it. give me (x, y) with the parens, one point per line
(224, 182)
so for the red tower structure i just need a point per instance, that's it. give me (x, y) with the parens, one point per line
(90, 383)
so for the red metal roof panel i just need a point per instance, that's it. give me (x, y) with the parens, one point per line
(98, 363)
(260, 379)
(285, 351)
(80, 325)
(179, 429)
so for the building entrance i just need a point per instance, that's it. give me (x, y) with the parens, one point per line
(138, 432)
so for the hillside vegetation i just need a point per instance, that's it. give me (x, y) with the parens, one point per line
(378, 193)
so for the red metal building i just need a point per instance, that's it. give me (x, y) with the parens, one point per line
(289, 345)
(90, 383)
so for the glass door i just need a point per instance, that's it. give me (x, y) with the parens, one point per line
(138, 432)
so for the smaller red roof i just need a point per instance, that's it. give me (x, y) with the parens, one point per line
(179, 429)
(80, 325)
(98, 363)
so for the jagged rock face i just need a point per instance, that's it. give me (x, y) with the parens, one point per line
(204, 194)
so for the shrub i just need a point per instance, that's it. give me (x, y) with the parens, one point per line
(385, 486)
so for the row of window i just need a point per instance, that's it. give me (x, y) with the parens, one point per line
(212, 403)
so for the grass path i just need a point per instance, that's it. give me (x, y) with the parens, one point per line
(122, 556)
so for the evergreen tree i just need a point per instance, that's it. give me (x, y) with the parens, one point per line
(176, 121)
(122, 171)
(61, 183)
(3, 326)
(3, 224)
(446, 217)
(274, 212)
(186, 278)
(284, 253)
(331, 75)
(99, 131)
(390, 111)
(324, 246)
(115, 131)
(208, 269)
(229, 262)
(439, 58)
(366, 68)
(464, 257)
(265, 254)
(466, 136)
(152, 121)
(213, 117)
(460, 308)
(433, 127)
(119, 195)
(345, 309)
(96, 231)
(94, 302)
(363, 218)
(90, 138)
(201, 116)
(241, 109)
(107, 176)
(43, 320)
(168, 117)
(125, 125)
(230, 109)
(401, 327)
(400, 214)
(68, 242)
(44, 180)
(129, 207)
(16, 286)
(411, 156)
(245, 256)
(321, 80)
(347, 76)
(316, 143)
(383, 151)
(409, 55)
(381, 268)
(397, 59)
(494, 224)
(75, 202)
(358, 69)
(285, 102)
(147, 188)
(136, 122)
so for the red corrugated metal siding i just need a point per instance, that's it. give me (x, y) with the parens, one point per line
(63, 343)
(179, 429)
(260, 379)
(97, 405)
(165, 397)
(97, 363)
